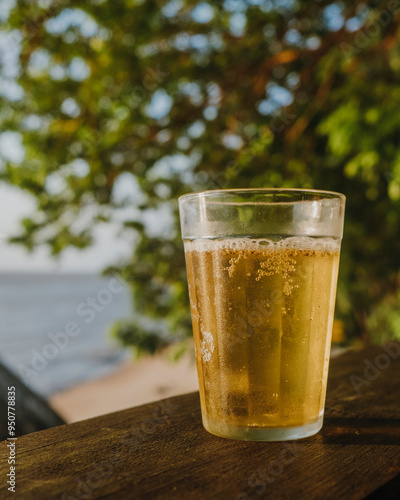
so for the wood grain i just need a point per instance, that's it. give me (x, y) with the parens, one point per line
(161, 451)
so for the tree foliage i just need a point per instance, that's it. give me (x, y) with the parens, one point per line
(125, 105)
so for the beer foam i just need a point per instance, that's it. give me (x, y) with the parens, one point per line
(325, 244)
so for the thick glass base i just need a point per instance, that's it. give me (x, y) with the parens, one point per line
(263, 433)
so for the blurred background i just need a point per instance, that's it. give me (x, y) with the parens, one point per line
(111, 110)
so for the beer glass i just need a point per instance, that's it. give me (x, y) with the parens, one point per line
(262, 268)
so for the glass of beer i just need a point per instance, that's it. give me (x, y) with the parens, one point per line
(262, 268)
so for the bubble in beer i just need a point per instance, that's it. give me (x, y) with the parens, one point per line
(267, 305)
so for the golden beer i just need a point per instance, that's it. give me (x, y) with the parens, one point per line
(262, 313)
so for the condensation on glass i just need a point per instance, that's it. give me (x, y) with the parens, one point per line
(262, 268)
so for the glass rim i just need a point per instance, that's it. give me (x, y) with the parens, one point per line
(294, 191)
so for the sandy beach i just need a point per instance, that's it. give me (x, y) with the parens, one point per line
(136, 382)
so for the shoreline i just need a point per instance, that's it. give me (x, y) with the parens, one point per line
(134, 383)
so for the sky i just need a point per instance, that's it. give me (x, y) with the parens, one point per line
(15, 205)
